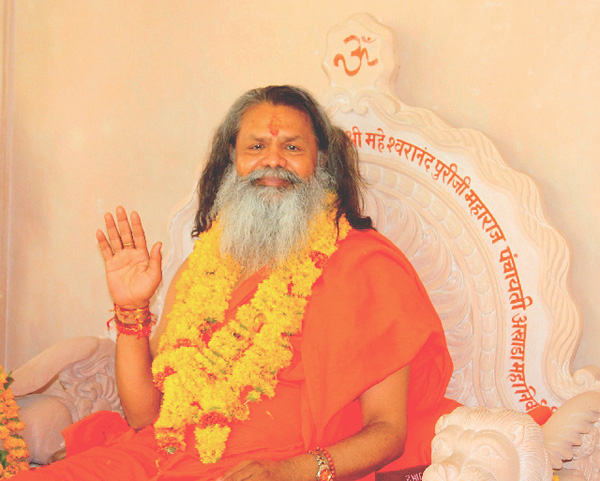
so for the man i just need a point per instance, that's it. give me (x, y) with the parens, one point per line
(296, 342)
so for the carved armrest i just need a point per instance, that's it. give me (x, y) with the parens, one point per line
(572, 437)
(39, 372)
(89, 385)
(495, 444)
(60, 386)
(488, 444)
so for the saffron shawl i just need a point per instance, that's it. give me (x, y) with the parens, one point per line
(369, 315)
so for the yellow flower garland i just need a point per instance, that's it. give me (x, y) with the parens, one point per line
(209, 371)
(13, 449)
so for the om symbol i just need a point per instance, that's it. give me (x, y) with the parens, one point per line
(359, 52)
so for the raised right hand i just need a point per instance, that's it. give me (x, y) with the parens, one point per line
(132, 274)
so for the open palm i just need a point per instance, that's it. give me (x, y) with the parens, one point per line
(132, 273)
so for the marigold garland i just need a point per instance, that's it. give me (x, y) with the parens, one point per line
(13, 450)
(208, 371)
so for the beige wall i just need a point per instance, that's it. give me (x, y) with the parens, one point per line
(5, 162)
(114, 103)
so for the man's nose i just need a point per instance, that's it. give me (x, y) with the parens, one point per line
(274, 158)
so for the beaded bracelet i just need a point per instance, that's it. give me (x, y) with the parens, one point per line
(326, 471)
(136, 322)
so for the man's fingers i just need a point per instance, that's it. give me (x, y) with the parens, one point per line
(126, 237)
(113, 233)
(105, 248)
(120, 234)
(123, 235)
(139, 237)
(154, 262)
(238, 472)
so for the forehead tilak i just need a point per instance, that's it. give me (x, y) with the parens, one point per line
(274, 125)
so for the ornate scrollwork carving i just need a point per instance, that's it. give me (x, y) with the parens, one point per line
(89, 385)
(415, 217)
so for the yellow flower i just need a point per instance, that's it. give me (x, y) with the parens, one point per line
(211, 442)
(204, 382)
(13, 449)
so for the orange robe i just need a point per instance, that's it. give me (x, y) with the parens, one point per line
(368, 316)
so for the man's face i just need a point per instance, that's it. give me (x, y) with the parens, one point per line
(276, 136)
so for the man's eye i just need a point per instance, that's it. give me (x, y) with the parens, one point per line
(292, 147)
(256, 147)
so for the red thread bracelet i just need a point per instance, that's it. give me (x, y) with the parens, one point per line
(143, 320)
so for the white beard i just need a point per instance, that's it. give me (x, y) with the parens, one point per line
(263, 225)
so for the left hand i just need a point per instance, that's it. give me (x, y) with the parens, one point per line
(258, 470)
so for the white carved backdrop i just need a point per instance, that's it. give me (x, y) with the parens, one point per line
(471, 225)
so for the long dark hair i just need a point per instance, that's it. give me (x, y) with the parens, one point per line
(342, 157)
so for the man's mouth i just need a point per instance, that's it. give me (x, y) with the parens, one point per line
(270, 181)
(275, 178)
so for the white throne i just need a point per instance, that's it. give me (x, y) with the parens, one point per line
(494, 267)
